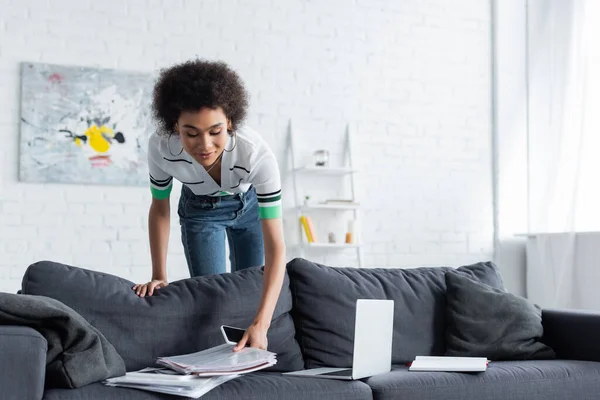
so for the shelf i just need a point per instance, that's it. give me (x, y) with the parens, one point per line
(325, 170)
(342, 175)
(332, 245)
(329, 207)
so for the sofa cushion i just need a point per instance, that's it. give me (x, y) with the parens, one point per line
(258, 386)
(515, 380)
(181, 318)
(325, 303)
(487, 322)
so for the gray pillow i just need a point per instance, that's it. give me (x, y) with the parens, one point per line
(486, 322)
(325, 304)
(181, 318)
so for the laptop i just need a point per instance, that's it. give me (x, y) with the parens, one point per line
(372, 354)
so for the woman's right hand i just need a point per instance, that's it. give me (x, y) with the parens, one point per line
(141, 289)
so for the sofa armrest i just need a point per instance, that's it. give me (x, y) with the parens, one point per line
(22, 362)
(573, 334)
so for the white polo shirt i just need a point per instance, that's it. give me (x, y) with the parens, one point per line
(251, 163)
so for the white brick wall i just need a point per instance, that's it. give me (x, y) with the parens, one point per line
(412, 76)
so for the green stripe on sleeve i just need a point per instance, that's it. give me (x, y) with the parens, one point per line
(269, 199)
(161, 194)
(269, 212)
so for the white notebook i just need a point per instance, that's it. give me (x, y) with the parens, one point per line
(449, 364)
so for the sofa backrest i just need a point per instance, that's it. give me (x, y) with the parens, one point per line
(183, 317)
(325, 302)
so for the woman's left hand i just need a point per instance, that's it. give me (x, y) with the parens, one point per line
(255, 336)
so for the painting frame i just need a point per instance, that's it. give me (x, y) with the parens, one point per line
(84, 125)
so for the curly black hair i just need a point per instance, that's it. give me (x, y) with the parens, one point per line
(196, 84)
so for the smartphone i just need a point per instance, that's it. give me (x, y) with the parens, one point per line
(231, 334)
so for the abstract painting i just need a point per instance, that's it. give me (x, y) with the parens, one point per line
(84, 125)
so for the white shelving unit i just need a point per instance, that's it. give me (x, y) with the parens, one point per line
(345, 171)
(325, 170)
(333, 245)
(328, 207)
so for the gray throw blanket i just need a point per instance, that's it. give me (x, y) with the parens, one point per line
(78, 354)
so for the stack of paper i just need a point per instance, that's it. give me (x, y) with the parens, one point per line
(220, 360)
(161, 381)
(449, 364)
(193, 375)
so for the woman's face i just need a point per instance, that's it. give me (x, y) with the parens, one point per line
(203, 134)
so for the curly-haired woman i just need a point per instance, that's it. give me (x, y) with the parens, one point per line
(230, 184)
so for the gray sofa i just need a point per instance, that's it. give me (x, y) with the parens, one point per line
(312, 326)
